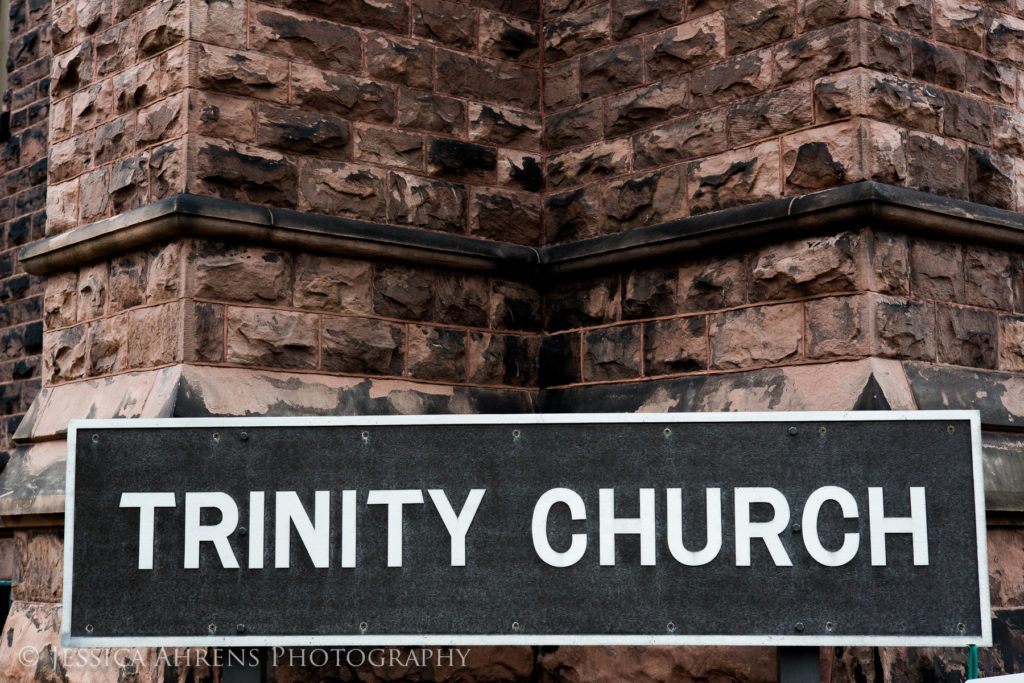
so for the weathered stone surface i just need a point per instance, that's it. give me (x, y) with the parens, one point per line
(38, 566)
(646, 106)
(346, 96)
(487, 80)
(270, 338)
(905, 328)
(127, 281)
(431, 112)
(207, 344)
(447, 23)
(520, 170)
(821, 158)
(331, 283)
(244, 173)
(633, 17)
(251, 74)
(162, 25)
(990, 178)
(750, 24)
(561, 85)
(838, 326)
(938, 64)
(806, 267)
(406, 61)
(915, 15)
(167, 170)
(1005, 38)
(222, 116)
(403, 293)
(890, 264)
(937, 165)
(560, 359)
(959, 22)
(108, 346)
(115, 139)
(650, 293)
(965, 336)
(585, 164)
(64, 354)
(675, 346)
(221, 23)
(990, 79)
(689, 138)
(426, 203)
(884, 151)
(295, 36)
(706, 286)
(462, 299)
(751, 337)
(437, 353)
(91, 106)
(92, 291)
(883, 48)
(168, 72)
(363, 346)
(502, 359)
(505, 37)
(571, 127)
(817, 53)
(728, 81)
(515, 306)
(505, 216)
(612, 353)
(71, 70)
(685, 47)
(461, 160)
(61, 206)
(839, 96)
(645, 199)
(936, 270)
(1011, 343)
(986, 273)
(612, 70)
(94, 200)
(577, 32)
(239, 273)
(387, 147)
(161, 121)
(70, 158)
(501, 126)
(59, 305)
(585, 304)
(300, 132)
(342, 189)
(744, 176)
(767, 115)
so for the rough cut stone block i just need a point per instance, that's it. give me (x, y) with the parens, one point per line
(966, 118)
(408, 62)
(572, 127)
(244, 173)
(108, 346)
(487, 80)
(960, 23)
(505, 216)
(991, 80)
(987, 272)
(462, 299)
(818, 53)
(92, 291)
(1011, 343)
(272, 338)
(612, 70)
(884, 151)
(572, 215)
(91, 106)
(822, 157)
(515, 306)
(38, 566)
(251, 74)
(208, 327)
(1005, 38)
(770, 114)
(64, 354)
(936, 270)
(744, 176)
(447, 23)
(363, 346)
(708, 285)
(431, 112)
(127, 281)
(342, 95)
(221, 23)
(501, 126)
(59, 304)
(295, 36)
(115, 139)
(520, 170)
(990, 178)
(71, 70)
(937, 165)
(426, 203)
(61, 206)
(167, 170)
(751, 337)
(161, 121)
(461, 160)
(300, 132)
(751, 24)
(437, 353)
(689, 138)
(890, 264)
(331, 283)
(387, 147)
(342, 189)
(577, 32)
(149, 344)
(650, 293)
(502, 359)
(686, 47)
(675, 346)
(94, 200)
(562, 85)
(584, 304)
(905, 328)
(586, 164)
(560, 359)
(965, 336)
(403, 293)
(728, 81)
(504, 37)
(646, 106)
(645, 199)
(223, 116)
(633, 17)
(806, 267)
(612, 353)
(162, 25)
(240, 273)
(838, 327)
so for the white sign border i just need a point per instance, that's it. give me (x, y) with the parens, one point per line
(525, 638)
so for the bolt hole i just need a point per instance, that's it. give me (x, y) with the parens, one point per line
(829, 626)
(671, 626)
(95, 437)
(244, 436)
(793, 431)
(88, 628)
(515, 625)
(366, 435)
(363, 626)
(960, 627)
(950, 429)
(515, 433)
(821, 430)
(212, 628)
(216, 436)
(668, 432)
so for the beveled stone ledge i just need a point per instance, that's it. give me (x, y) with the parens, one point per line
(864, 204)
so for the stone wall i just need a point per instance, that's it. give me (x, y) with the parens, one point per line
(23, 160)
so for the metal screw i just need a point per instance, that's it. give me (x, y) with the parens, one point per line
(363, 626)
(668, 432)
(515, 625)
(793, 431)
(242, 531)
(671, 626)
(950, 429)
(960, 627)
(366, 436)
(88, 628)
(212, 628)
(799, 626)
(95, 437)
(515, 433)
(240, 628)
(244, 436)
(795, 528)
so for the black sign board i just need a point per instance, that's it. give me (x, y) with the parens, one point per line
(739, 528)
